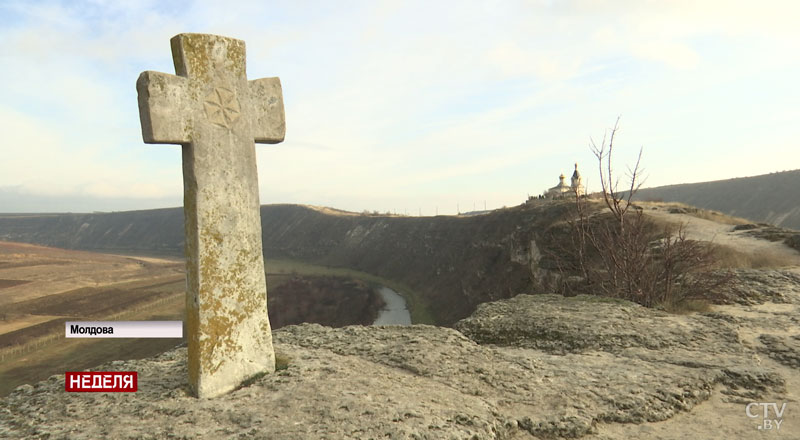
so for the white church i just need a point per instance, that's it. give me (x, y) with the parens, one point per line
(562, 190)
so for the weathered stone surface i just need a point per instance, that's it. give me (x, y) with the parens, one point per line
(216, 114)
(784, 349)
(558, 324)
(793, 241)
(755, 286)
(568, 368)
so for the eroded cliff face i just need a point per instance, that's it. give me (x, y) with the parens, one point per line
(330, 301)
(452, 263)
(153, 230)
(534, 366)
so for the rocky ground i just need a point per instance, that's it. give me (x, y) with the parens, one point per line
(534, 366)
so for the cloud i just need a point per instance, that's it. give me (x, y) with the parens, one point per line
(404, 99)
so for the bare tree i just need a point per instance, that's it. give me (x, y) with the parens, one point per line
(617, 203)
(616, 250)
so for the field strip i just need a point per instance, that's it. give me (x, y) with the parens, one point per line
(57, 335)
(25, 321)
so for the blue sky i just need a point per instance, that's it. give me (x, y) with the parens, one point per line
(406, 106)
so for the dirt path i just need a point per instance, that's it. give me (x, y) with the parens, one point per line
(723, 234)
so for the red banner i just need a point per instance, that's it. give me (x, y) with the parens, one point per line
(101, 381)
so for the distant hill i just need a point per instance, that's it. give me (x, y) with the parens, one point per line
(453, 263)
(770, 198)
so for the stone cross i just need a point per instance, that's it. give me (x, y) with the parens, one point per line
(215, 113)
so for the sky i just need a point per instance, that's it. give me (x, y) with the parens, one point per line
(412, 107)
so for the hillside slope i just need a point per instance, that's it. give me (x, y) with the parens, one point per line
(771, 198)
(452, 263)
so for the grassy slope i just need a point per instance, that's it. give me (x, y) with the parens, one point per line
(771, 198)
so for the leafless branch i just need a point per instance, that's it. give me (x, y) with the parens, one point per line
(621, 253)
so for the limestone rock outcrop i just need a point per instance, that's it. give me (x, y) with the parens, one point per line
(533, 366)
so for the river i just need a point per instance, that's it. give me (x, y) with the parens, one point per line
(395, 312)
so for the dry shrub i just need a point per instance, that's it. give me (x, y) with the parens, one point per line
(622, 253)
(688, 306)
(718, 217)
(635, 260)
(726, 257)
(705, 214)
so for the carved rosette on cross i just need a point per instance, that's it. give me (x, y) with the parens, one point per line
(216, 114)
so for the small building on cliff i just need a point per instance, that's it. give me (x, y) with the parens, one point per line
(562, 190)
